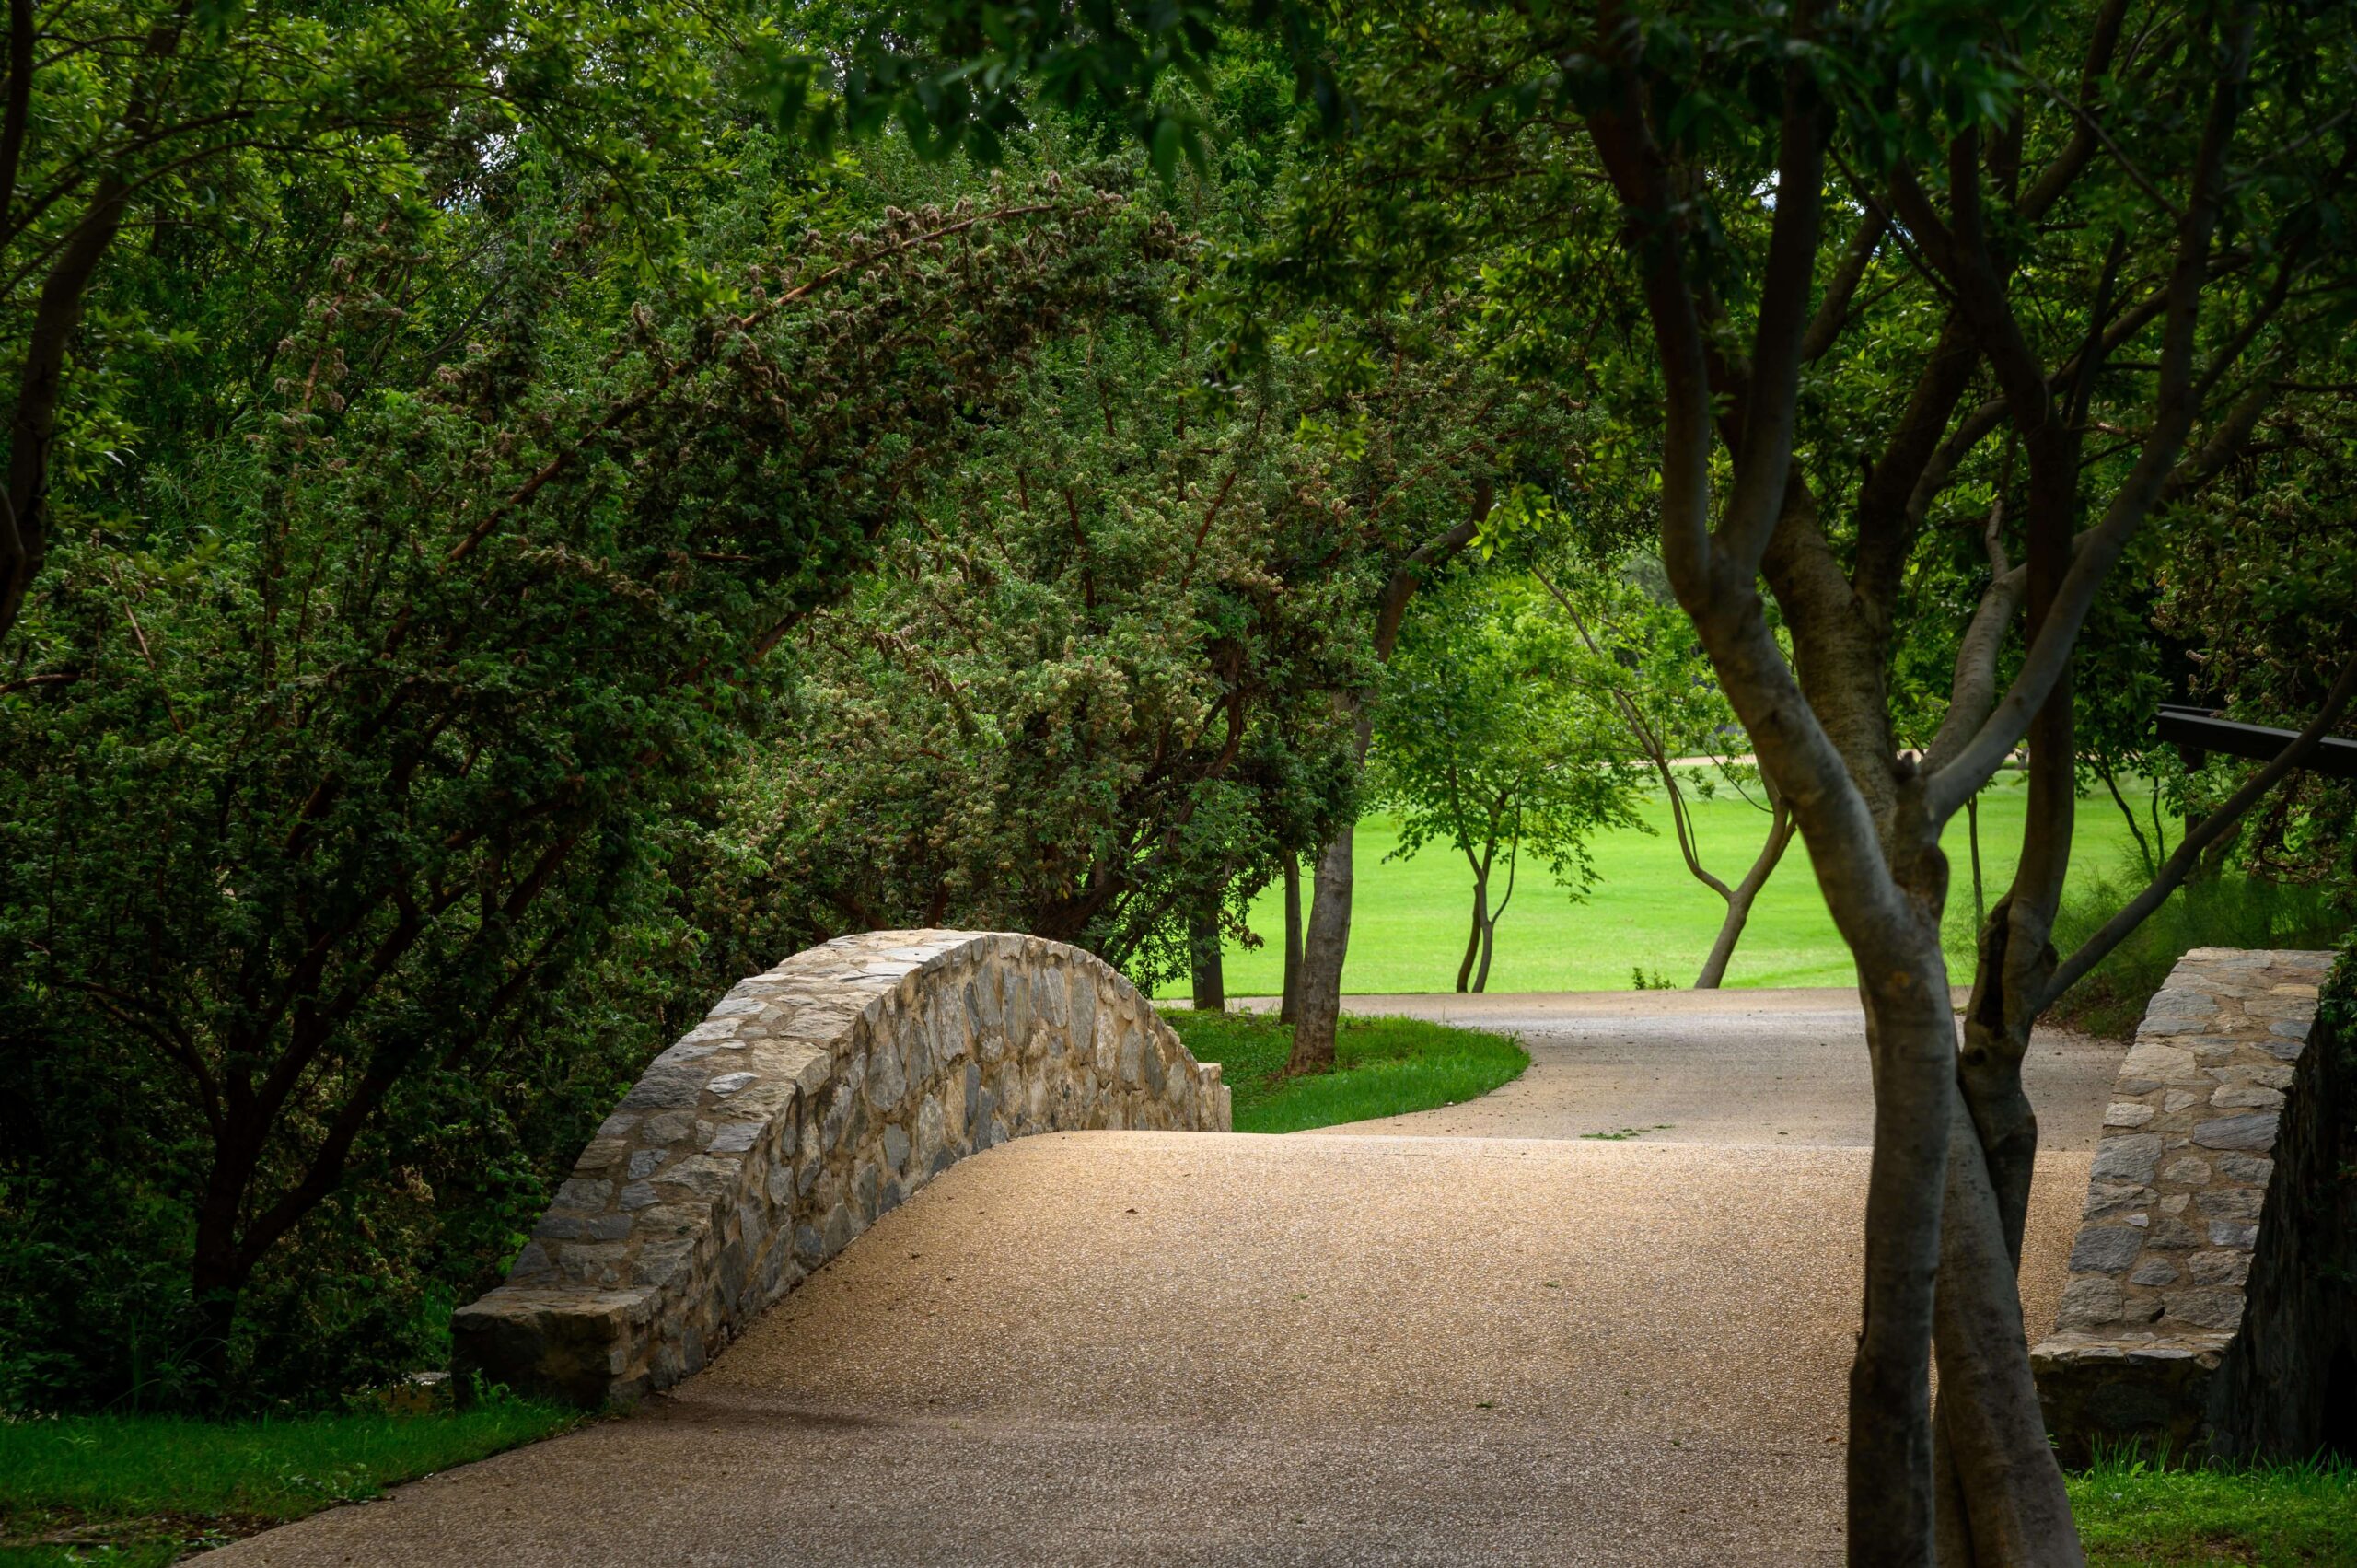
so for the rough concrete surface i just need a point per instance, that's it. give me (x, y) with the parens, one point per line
(1783, 1067)
(1323, 1349)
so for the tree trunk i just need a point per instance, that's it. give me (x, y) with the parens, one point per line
(1320, 1004)
(1475, 946)
(1489, 947)
(1204, 957)
(1911, 1037)
(1741, 897)
(216, 1280)
(2004, 1505)
(1290, 1004)
(1972, 833)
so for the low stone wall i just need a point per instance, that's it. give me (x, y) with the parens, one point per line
(812, 1100)
(2182, 1325)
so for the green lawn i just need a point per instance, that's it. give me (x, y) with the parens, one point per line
(1384, 1067)
(139, 1492)
(1408, 917)
(2132, 1515)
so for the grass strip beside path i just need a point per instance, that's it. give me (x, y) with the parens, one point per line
(2135, 1514)
(1384, 1067)
(139, 1492)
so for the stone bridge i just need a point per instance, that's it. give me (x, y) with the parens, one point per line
(810, 1101)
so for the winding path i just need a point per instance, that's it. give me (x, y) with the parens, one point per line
(1472, 1336)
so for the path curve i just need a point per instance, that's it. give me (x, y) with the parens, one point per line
(1784, 1067)
(1390, 1343)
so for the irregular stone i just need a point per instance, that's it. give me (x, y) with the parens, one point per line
(2227, 1234)
(2172, 1234)
(2218, 1268)
(2161, 1063)
(2090, 1301)
(2241, 1204)
(735, 1137)
(2154, 1271)
(888, 1082)
(2256, 1131)
(729, 1083)
(582, 1192)
(668, 1092)
(2105, 1248)
(2237, 1095)
(2108, 1198)
(2185, 1169)
(670, 1127)
(2181, 1002)
(2204, 1308)
(2254, 1169)
(2130, 1157)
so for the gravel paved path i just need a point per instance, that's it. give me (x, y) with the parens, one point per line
(1785, 1067)
(1448, 1343)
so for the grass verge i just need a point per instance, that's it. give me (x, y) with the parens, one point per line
(1384, 1067)
(2136, 1515)
(139, 1492)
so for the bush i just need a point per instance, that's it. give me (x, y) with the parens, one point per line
(2234, 910)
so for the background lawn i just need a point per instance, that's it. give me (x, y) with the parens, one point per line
(1409, 918)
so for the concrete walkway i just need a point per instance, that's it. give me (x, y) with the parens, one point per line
(1468, 1337)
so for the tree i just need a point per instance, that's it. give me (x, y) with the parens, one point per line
(167, 117)
(1090, 695)
(1655, 676)
(373, 714)
(1485, 742)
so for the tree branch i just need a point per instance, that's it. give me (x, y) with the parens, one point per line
(2050, 654)
(2188, 850)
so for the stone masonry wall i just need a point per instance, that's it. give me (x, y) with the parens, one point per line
(2185, 1189)
(812, 1100)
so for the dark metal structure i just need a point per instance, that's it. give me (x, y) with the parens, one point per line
(2196, 730)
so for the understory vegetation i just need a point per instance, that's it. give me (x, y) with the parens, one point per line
(2235, 909)
(1383, 1067)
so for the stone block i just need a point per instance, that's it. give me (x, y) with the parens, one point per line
(2132, 1157)
(2217, 1309)
(2256, 1131)
(2106, 1248)
(2090, 1301)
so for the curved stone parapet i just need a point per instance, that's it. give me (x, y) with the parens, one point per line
(2194, 1322)
(812, 1100)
